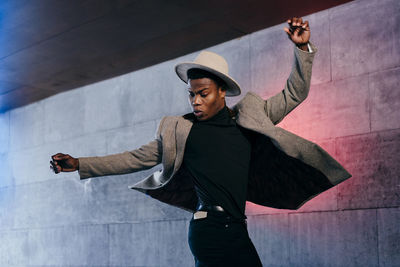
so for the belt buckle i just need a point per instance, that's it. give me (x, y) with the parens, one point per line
(200, 214)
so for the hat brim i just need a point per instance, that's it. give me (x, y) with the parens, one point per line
(182, 68)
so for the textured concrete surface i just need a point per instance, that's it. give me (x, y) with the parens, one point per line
(7, 210)
(4, 132)
(60, 118)
(270, 236)
(271, 60)
(6, 178)
(338, 108)
(14, 248)
(385, 100)
(320, 36)
(389, 236)
(144, 97)
(69, 245)
(364, 37)
(344, 238)
(313, 239)
(373, 161)
(27, 126)
(130, 137)
(129, 244)
(351, 112)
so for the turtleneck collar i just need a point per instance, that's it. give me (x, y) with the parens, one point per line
(221, 118)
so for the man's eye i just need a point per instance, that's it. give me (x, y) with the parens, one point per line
(191, 94)
(203, 95)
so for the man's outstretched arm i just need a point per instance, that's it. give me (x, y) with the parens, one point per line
(298, 84)
(145, 157)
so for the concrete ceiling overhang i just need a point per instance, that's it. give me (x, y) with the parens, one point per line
(50, 46)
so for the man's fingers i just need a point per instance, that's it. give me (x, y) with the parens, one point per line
(293, 32)
(293, 25)
(294, 21)
(54, 164)
(306, 26)
(60, 156)
(297, 26)
(65, 156)
(298, 32)
(297, 22)
(300, 21)
(54, 170)
(288, 32)
(55, 167)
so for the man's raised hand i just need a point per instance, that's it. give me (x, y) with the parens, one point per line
(298, 32)
(64, 163)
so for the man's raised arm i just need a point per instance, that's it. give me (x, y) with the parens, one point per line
(298, 84)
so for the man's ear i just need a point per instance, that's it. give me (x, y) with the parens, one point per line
(222, 91)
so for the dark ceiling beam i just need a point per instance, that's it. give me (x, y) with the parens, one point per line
(48, 46)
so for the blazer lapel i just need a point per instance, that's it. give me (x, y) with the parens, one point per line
(182, 132)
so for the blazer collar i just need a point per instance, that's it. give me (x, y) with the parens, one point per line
(182, 132)
(191, 117)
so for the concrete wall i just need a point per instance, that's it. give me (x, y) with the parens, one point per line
(352, 111)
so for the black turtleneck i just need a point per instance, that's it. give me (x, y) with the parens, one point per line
(217, 154)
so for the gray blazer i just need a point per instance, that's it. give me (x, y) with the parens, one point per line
(285, 170)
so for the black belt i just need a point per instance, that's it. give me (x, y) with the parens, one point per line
(202, 207)
(210, 207)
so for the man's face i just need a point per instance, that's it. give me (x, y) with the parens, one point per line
(205, 98)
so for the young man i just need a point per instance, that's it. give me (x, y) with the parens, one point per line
(216, 158)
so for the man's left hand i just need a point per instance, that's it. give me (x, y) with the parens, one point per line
(298, 32)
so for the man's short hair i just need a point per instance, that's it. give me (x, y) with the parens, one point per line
(194, 73)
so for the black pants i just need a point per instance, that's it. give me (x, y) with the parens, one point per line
(220, 240)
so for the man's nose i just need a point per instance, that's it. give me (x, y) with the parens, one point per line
(196, 100)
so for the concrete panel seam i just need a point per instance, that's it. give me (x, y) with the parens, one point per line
(9, 132)
(108, 245)
(38, 182)
(350, 77)
(148, 221)
(361, 74)
(294, 212)
(369, 103)
(372, 208)
(7, 187)
(108, 224)
(366, 134)
(384, 70)
(330, 45)
(319, 211)
(377, 236)
(321, 83)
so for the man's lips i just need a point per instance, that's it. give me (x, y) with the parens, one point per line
(198, 112)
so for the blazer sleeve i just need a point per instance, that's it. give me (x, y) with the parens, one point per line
(296, 88)
(145, 157)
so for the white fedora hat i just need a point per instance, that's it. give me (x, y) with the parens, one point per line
(213, 63)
